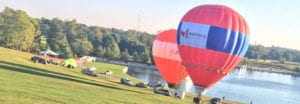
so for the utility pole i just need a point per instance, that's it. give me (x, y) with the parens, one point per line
(139, 20)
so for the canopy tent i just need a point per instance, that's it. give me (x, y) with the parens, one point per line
(68, 62)
(49, 52)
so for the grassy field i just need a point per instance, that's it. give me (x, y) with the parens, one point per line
(25, 82)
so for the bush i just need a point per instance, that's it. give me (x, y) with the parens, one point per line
(282, 60)
(297, 69)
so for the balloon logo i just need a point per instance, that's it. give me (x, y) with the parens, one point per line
(167, 59)
(212, 39)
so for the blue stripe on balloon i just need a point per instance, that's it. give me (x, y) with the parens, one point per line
(218, 39)
(178, 33)
(245, 45)
(227, 41)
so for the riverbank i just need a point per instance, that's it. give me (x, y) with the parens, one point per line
(272, 70)
(260, 66)
(271, 66)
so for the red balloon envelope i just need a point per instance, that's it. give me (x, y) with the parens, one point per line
(212, 39)
(167, 59)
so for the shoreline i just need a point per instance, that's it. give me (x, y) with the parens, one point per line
(271, 70)
(252, 68)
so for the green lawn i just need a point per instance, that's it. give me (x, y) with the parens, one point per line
(116, 69)
(25, 82)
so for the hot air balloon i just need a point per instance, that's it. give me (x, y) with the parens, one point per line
(167, 59)
(212, 39)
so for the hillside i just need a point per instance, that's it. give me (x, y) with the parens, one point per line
(25, 82)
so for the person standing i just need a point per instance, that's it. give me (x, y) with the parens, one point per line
(197, 99)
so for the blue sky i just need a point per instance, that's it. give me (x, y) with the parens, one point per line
(271, 22)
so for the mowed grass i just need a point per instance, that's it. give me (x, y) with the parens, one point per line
(25, 82)
(118, 71)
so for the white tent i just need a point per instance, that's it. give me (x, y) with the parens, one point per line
(49, 52)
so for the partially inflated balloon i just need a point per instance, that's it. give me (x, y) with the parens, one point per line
(212, 39)
(167, 59)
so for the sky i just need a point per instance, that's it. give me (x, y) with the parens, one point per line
(271, 22)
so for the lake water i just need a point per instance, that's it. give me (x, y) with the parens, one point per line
(255, 86)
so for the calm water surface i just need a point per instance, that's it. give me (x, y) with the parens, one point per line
(255, 86)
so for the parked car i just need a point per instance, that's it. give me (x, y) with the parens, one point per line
(215, 100)
(37, 59)
(155, 84)
(126, 81)
(141, 84)
(52, 62)
(90, 72)
(162, 91)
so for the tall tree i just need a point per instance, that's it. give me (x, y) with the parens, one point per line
(95, 37)
(288, 56)
(125, 56)
(100, 51)
(57, 39)
(82, 47)
(18, 29)
(274, 54)
(136, 57)
(2, 26)
(111, 47)
(145, 58)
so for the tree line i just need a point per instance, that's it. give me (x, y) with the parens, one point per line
(273, 53)
(72, 39)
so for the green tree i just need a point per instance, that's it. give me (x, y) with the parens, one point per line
(82, 47)
(2, 26)
(114, 51)
(57, 39)
(45, 26)
(71, 31)
(287, 55)
(136, 57)
(79, 38)
(95, 37)
(100, 51)
(282, 60)
(125, 56)
(297, 69)
(274, 54)
(145, 58)
(18, 29)
(67, 53)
